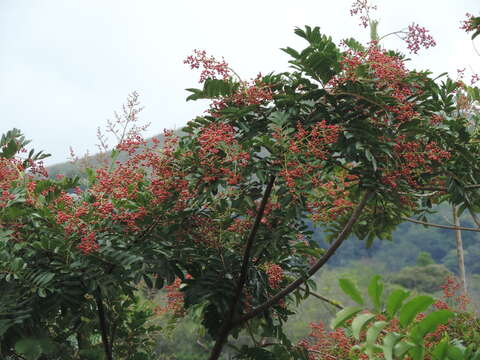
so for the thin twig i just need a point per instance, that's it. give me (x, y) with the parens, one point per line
(439, 188)
(202, 345)
(441, 226)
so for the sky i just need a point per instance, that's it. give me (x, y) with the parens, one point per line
(67, 65)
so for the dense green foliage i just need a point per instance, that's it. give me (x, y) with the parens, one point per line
(350, 141)
(397, 328)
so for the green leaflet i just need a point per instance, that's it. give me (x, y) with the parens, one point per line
(351, 290)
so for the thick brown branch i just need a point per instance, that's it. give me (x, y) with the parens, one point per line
(328, 254)
(441, 226)
(227, 324)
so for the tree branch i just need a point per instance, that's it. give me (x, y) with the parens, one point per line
(441, 226)
(438, 188)
(328, 254)
(227, 324)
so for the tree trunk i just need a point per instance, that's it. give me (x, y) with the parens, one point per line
(103, 324)
(459, 246)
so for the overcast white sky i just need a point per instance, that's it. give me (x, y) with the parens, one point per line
(66, 65)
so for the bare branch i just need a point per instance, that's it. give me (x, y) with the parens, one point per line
(439, 188)
(441, 226)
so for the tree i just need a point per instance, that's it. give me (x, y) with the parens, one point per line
(350, 139)
(427, 278)
(424, 259)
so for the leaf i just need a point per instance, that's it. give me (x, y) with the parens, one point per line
(354, 44)
(197, 94)
(373, 332)
(345, 315)
(389, 342)
(375, 290)
(320, 59)
(292, 52)
(351, 290)
(475, 34)
(359, 323)
(5, 324)
(430, 323)
(47, 345)
(279, 118)
(401, 349)
(91, 175)
(148, 281)
(216, 87)
(395, 300)
(454, 352)
(213, 88)
(440, 351)
(10, 150)
(417, 352)
(412, 308)
(371, 158)
(30, 348)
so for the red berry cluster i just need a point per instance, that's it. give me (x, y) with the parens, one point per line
(308, 148)
(333, 201)
(323, 344)
(362, 9)
(416, 159)
(174, 301)
(10, 170)
(275, 275)
(253, 93)
(124, 195)
(271, 206)
(418, 37)
(452, 292)
(220, 154)
(211, 67)
(249, 94)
